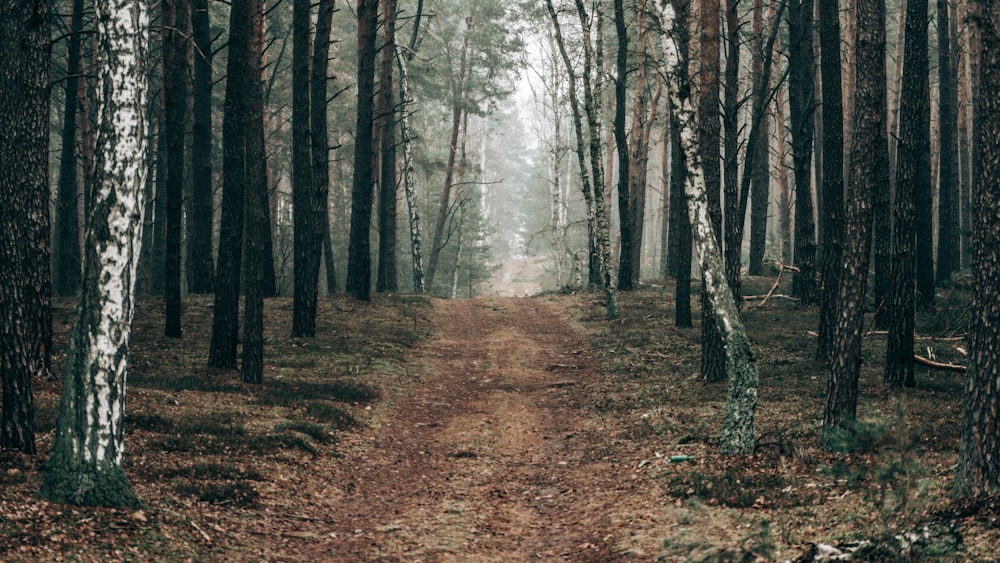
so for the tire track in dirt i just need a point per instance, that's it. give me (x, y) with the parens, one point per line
(488, 457)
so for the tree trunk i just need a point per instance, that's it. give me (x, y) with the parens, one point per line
(581, 153)
(868, 128)
(416, 238)
(948, 251)
(160, 205)
(236, 122)
(733, 247)
(678, 201)
(627, 227)
(307, 200)
(255, 208)
(978, 472)
(359, 247)
(801, 101)
(713, 356)
(592, 88)
(320, 137)
(784, 189)
(832, 217)
(198, 265)
(66, 242)
(741, 365)
(761, 178)
(882, 227)
(457, 111)
(913, 169)
(25, 280)
(177, 88)
(85, 464)
(387, 279)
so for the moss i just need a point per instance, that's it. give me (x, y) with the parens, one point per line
(67, 483)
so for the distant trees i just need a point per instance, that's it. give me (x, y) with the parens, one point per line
(85, 464)
(25, 281)
(66, 239)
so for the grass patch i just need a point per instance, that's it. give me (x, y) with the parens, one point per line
(735, 489)
(239, 493)
(291, 393)
(319, 433)
(331, 414)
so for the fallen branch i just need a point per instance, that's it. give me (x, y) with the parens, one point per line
(938, 365)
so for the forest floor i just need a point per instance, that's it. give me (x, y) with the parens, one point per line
(503, 429)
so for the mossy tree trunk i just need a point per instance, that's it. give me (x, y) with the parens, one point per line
(741, 364)
(85, 466)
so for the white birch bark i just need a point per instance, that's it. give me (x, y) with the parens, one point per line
(85, 466)
(741, 366)
(408, 179)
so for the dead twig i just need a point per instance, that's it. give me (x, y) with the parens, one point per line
(938, 365)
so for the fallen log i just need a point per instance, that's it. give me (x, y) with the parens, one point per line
(938, 365)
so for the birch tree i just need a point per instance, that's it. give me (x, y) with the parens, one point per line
(741, 364)
(85, 466)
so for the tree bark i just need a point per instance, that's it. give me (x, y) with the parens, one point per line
(734, 219)
(256, 207)
(741, 365)
(978, 472)
(359, 245)
(25, 279)
(626, 225)
(758, 148)
(236, 121)
(198, 265)
(592, 87)
(913, 172)
(307, 199)
(387, 278)
(882, 226)
(416, 237)
(948, 251)
(868, 127)
(320, 137)
(85, 464)
(832, 217)
(713, 356)
(177, 88)
(801, 101)
(66, 242)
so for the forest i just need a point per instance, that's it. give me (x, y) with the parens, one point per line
(433, 280)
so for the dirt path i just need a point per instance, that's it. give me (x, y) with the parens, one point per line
(489, 457)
